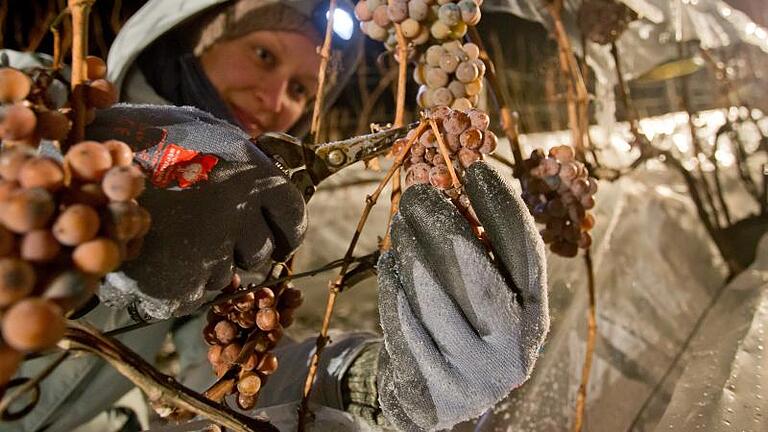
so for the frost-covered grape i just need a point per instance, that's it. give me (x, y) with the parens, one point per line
(467, 72)
(449, 14)
(440, 30)
(442, 96)
(449, 62)
(436, 77)
(418, 9)
(411, 28)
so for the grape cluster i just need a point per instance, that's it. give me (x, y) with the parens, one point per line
(450, 74)
(466, 137)
(64, 223)
(31, 112)
(558, 191)
(420, 20)
(258, 317)
(603, 21)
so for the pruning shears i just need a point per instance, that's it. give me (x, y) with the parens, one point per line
(309, 164)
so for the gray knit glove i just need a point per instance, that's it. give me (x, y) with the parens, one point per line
(215, 199)
(460, 330)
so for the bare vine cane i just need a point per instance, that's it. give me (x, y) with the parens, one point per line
(336, 286)
(576, 91)
(57, 48)
(79, 9)
(581, 398)
(325, 57)
(156, 385)
(402, 79)
(509, 119)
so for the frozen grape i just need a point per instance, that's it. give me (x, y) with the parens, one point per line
(101, 94)
(77, 224)
(471, 138)
(97, 69)
(18, 122)
(32, 325)
(375, 31)
(472, 50)
(246, 402)
(436, 77)
(43, 173)
(474, 87)
(225, 332)
(418, 9)
(442, 96)
(53, 125)
(17, 278)
(214, 354)
(457, 89)
(440, 177)
(123, 183)
(249, 384)
(433, 55)
(411, 28)
(89, 160)
(456, 123)
(422, 37)
(121, 153)
(479, 119)
(39, 246)
(268, 364)
(12, 160)
(397, 10)
(14, 85)
(468, 156)
(467, 72)
(428, 139)
(440, 30)
(490, 142)
(265, 297)
(381, 16)
(470, 12)
(449, 62)
(267, 319)
(99, 256)
(449, 14)
(27, 210)
(362, 12)
(458, 31)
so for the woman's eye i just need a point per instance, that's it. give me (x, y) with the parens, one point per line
(299, 91)
(264, 55)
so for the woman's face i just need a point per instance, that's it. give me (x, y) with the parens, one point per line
(265, 78)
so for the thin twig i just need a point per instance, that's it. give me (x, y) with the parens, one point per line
(402, 81)
(446, 154)
(509, 120)
(581, 400)
(157, 386)
(79, 9)
(325, 57)
(336, 286)
(363, 122)
(576, 90)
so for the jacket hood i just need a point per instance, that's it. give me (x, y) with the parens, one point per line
(159, 17)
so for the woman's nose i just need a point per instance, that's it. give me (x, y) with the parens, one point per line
(273, 93)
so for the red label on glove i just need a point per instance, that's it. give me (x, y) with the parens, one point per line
(170, 162)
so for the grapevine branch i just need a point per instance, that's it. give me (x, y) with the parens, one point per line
(336, 286)
(576, 91)
(156, 385)
(325, 56)
(509, 120)
(402, 77)
(581, 399)
(79, 9)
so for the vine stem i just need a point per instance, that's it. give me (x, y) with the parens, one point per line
(576, 90)
(157, 386)
(581, 399)
(325, 57)
(509, 119)
(79, 9)
(336, 286)
(402, 80)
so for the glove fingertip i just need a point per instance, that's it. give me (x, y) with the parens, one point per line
(510, 227)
